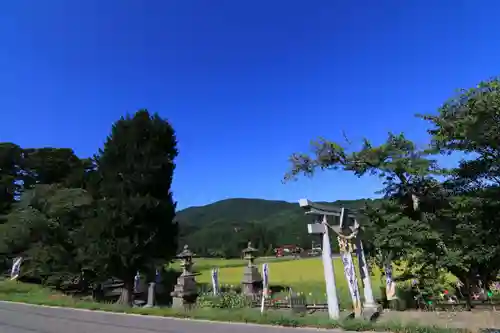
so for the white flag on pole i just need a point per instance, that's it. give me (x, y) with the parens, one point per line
(215, 281)
(265, 276)
(265, 286)
(16, 268)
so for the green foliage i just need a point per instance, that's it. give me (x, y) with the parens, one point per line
(30, 210)
(432, 222)
(406, 173)
(42, 229)
(10, 156)
(243, 210)
(53, 166)
(111, 215)
(470, 123)
(229, 300)
(133, 227)
(21, 169)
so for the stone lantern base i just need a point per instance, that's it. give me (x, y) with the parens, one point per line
(186, 302)
(371, 312)
(252, 281)
(185, 293)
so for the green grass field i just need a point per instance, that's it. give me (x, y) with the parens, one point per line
(201, 264)
(302, 275)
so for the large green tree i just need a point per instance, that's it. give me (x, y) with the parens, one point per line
(134, 224)
(469, 124)
(22, 168)
(405, 225)
(429, 222)
(41, 199)
(395, 227)
(43, 228)
(55, 166)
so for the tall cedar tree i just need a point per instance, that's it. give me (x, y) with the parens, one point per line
(134, 227)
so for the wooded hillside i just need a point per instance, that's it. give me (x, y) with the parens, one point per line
(223, 228)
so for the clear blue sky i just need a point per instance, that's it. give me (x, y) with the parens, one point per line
(245, 83)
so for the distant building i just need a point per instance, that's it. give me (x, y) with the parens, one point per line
(287, 250)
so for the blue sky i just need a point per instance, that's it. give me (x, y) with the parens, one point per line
(245, 83)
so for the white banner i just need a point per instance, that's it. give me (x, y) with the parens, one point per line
(215, 281)
(265, 276)
(137, 282)
(350, 273)
(265, 286)
(158, 276)
(390, 285)
(16, 268)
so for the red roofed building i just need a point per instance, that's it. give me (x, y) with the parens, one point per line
(287, 250)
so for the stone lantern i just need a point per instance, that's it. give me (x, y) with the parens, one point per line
(185, 291)
(252, 280)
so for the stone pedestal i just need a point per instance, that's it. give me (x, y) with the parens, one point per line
(151, 295)
(185, 304)
(371, 311)
(252, 281)
(185, 293)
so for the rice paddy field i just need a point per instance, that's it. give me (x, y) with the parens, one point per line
(302, 275)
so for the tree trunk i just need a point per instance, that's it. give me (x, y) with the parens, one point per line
(468, 300)
(126, 295)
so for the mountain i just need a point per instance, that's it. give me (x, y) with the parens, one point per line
(223, 228)
(244, 210)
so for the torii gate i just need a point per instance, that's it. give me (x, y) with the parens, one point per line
(370, 309)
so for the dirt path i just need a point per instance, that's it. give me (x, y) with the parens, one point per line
(473, 320)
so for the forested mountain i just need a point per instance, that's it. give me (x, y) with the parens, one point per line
(223, 228)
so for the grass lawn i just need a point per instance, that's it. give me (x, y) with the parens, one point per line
(34, 294)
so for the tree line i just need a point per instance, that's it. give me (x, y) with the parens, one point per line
(432, 217)
(105, 216)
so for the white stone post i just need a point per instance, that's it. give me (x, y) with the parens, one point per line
(322, 228)
(370, 308)
(365, 275)
(331, 289)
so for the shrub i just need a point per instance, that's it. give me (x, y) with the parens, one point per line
(228, 300)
